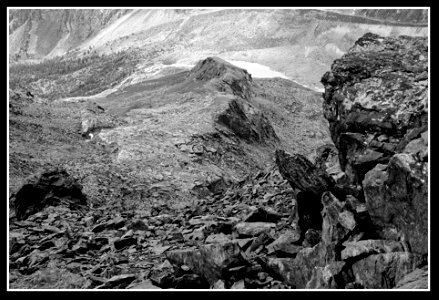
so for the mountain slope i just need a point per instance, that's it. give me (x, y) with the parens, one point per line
(307, 39)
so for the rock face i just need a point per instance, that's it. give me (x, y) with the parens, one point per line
(377, 106)
(240, 116)
(49, 188)
(384, 270)
(311, 182)
(223, 75)
(369, 218)
(397, 197)
(247, 122)
(302, 174)
(418, 279)
(210, 260)
(376, 100)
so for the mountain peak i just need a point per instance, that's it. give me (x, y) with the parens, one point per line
(223, 75)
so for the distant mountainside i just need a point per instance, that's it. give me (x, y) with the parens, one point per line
(414, 16)
(300, 43)
(42, 33)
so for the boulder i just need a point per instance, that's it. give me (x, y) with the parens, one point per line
(50, 188)
(281, 268)
(397, 196)
(327, 159)
(246, 229)
(216, 238)
(303, 174)
(338, 222)
(246, 121)
(239, 285)
(384, 270)
(312, 237)
(284, 246)
(219, 285)
(209, 261)
(376, 100)
(310, 181)
(308, 259)
(118, 282)
(364, 247)
(163, 275)
(418, 279)
(328, 277)
(297, 272)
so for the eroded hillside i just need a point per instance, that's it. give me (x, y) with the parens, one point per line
(301, 43)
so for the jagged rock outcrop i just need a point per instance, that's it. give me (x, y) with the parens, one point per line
(376, 100)
(384, 270)
(246, 122)
(239, 115)
(52, 187)
(338, 222)
(397, 200)
(302, 174)
(374, 211)
(223, 76)
(210, 260)
(311, 181)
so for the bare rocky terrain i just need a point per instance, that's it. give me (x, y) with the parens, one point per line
(301, 43)
(206, 177)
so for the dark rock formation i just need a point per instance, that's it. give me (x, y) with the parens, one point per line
(224, 76)
(397, 197)
(376, 100)
(327, 159)
(376, 104)
(384, 270)
(327, 277)
(263, 214)
(246, 122)
(52, 187)
(338, 222)
(418, 279)
(363, 247)
(311, 182)
(302, 174)
(374, 211)
(211, 260)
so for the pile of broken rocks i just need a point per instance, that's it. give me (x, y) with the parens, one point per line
(58, 241)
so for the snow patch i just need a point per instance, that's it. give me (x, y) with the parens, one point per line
(257, 70)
